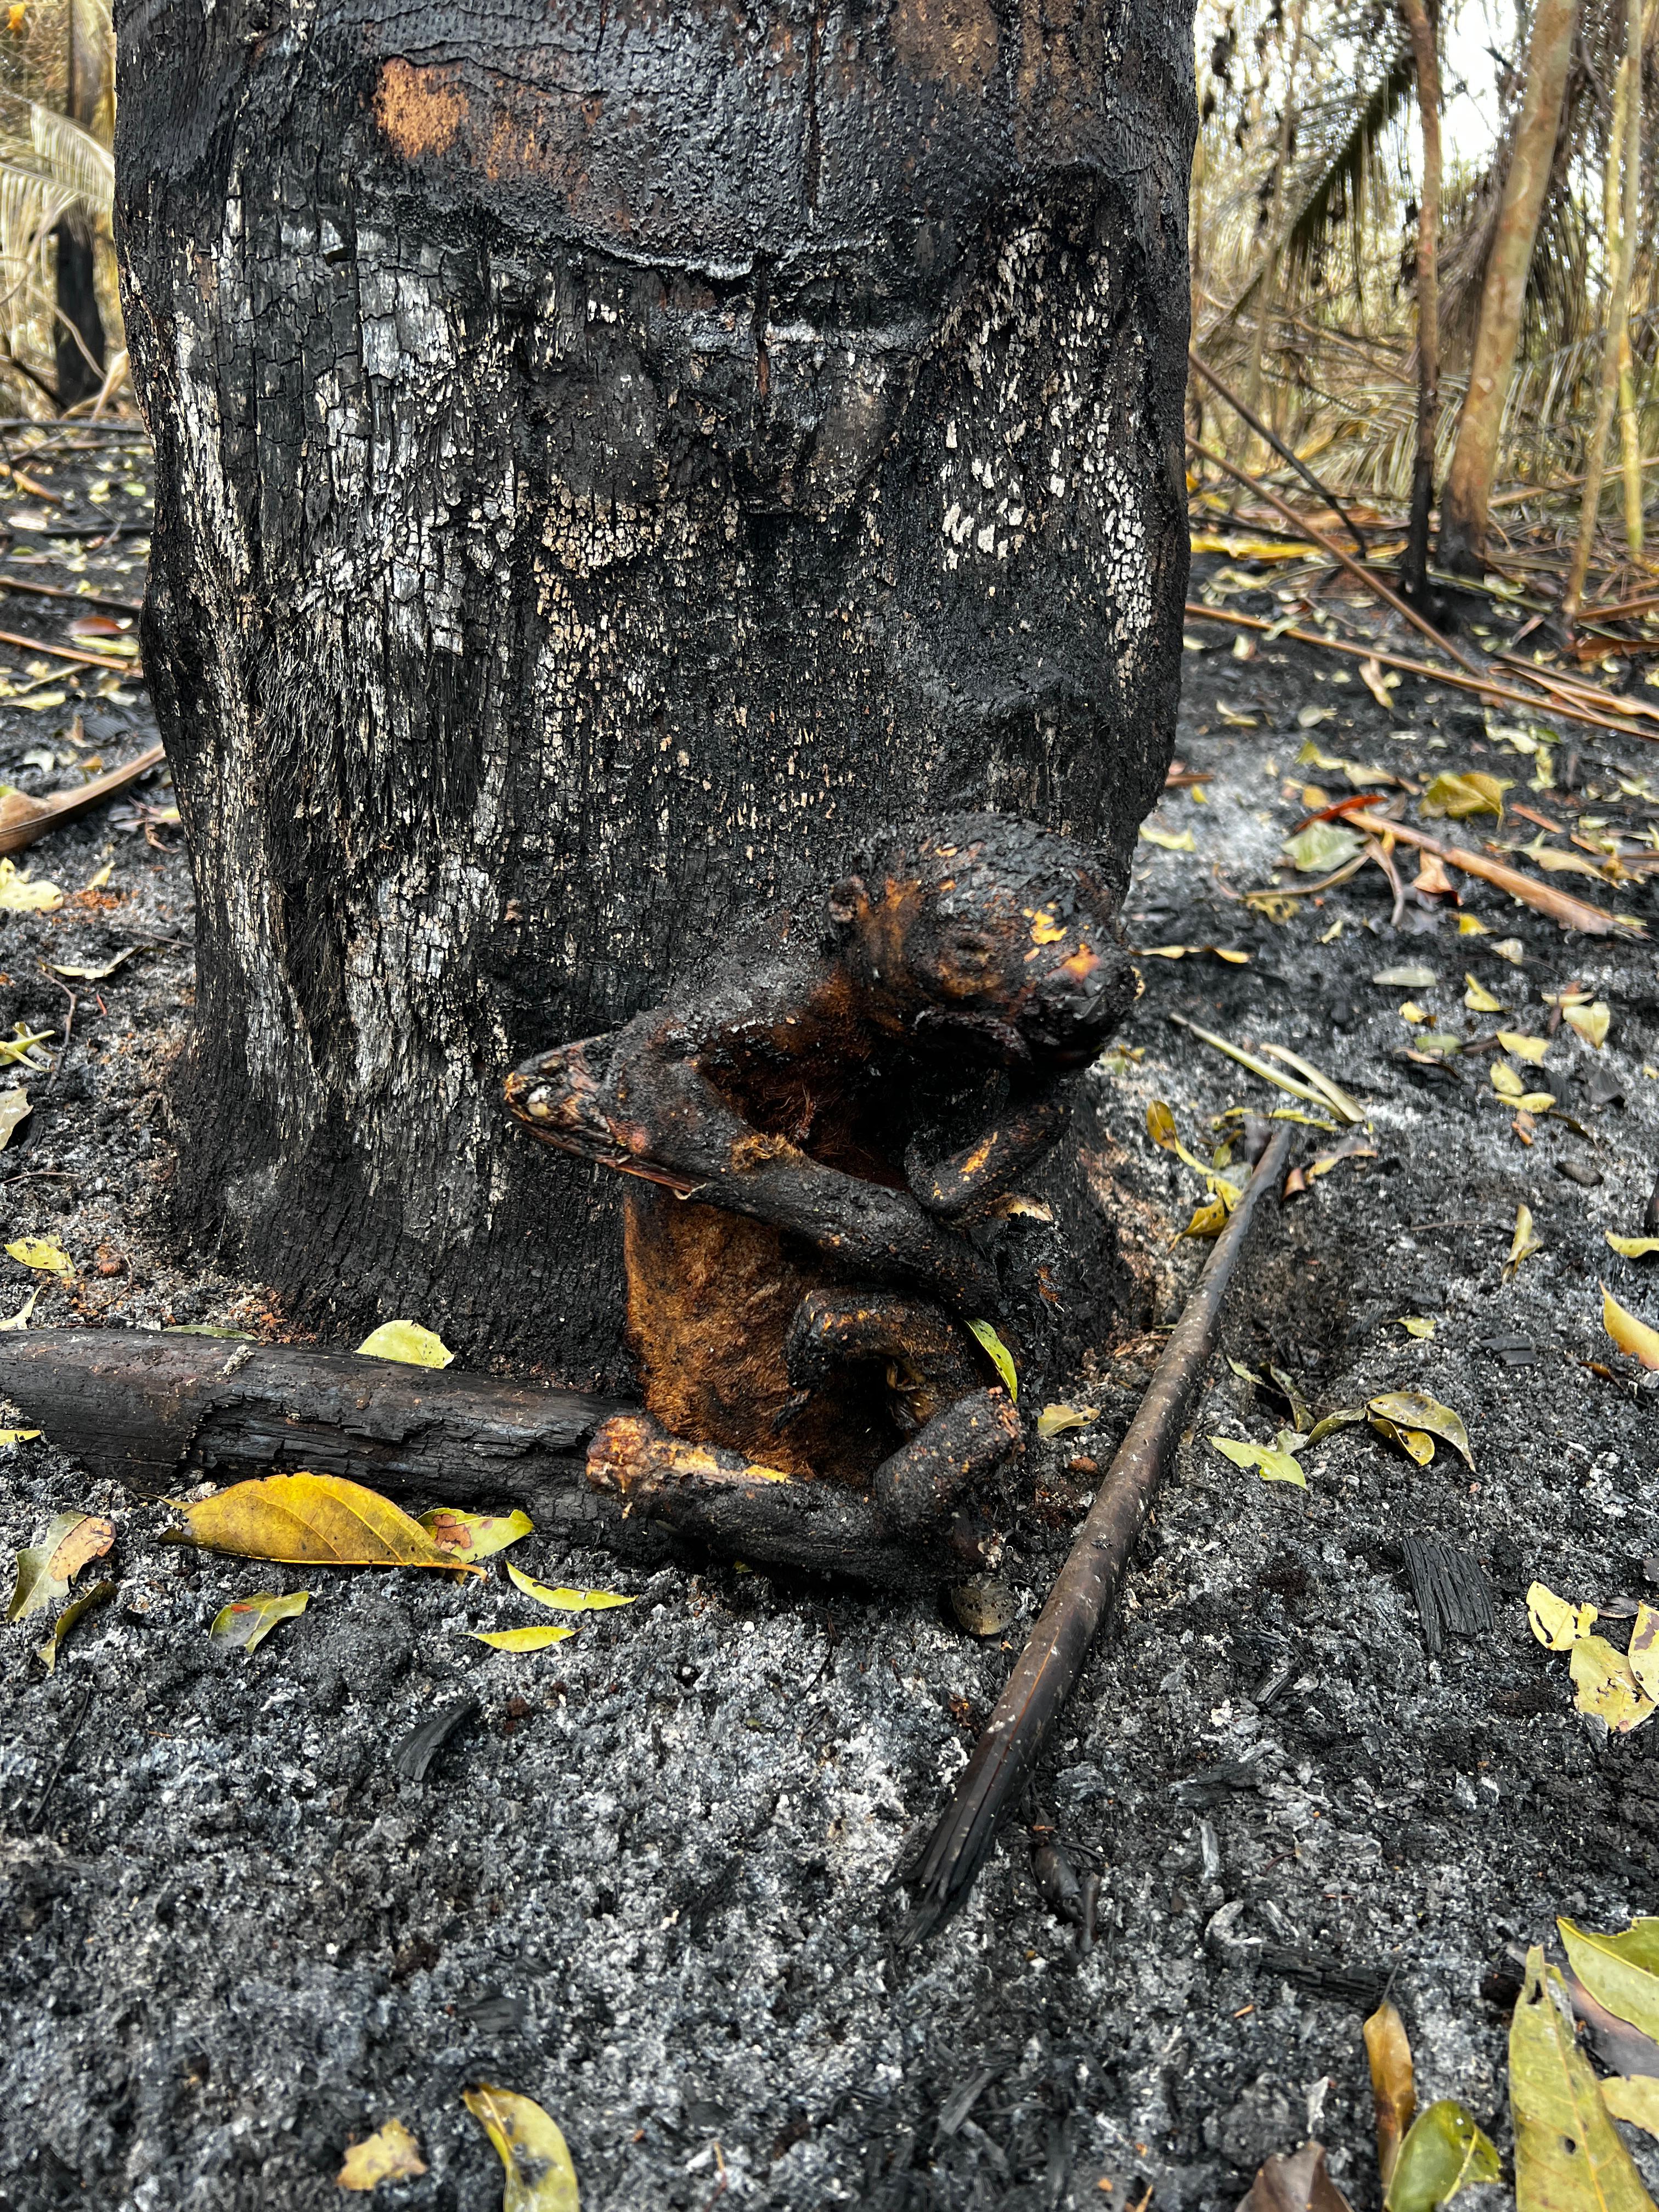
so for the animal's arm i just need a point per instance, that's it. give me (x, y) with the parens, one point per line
(969, 1181)
(677, 1126)
(560, 1097)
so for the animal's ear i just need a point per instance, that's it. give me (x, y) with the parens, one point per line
(848, 900)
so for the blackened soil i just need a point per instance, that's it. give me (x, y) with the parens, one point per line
(650, 1883)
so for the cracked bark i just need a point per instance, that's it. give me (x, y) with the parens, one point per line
(606, 467)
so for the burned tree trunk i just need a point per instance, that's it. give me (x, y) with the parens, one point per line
(602, 472)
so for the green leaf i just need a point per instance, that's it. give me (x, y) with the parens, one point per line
(540, 2176)
(245, 1622)
(1633, 2097)
(1343, 1417)
(999, 1355)
(1568, 2154)
(1274, 1462)
(76, 1609)
(535, 1637)
(408, 1341)
(563, 1600)
(1054, 1420)
(1323, 847)
(1622, 1971)
(1443, 2149)
(1410, 1409)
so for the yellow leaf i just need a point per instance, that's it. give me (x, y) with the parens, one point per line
(1606, 1685)
(20, 892)
(1443, 2150)
(1568, 2155)
(1169, 840)
(1633, 2097)
(42, 1253)
(1274, 1462)
(1392, 2087)
(1627, 1333)
(1412, 1409)
(1477, 999)
(1644, 1653)
(1469, 925)
(1415, 1325)
(1408, 977)
(537, 1637)
(1523, 1046)
(563, 1600)
(1411, 1011)
(391, 2153)
(540, 2176)
(1523, 1243)
(1054, 1420)
(1621, 1971)
(311, 1520)
(1416, 1443)
(1161, 1126)
(1556, 1624)
(44, 1570)
(20, 1436)
(999, 1355)
(1231, 716)
(1460, 796)
(245, 1623)
(1509, 949)
(76, 1609)
(1534, 1102)
(14, 1111)
(1506, 1082)
(1631, 1248)
(408, 1341)
(1209, 1218)
(1592, 1023)
(475, 1536)
(21, 1318)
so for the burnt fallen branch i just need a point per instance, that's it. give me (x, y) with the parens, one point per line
(156, 1412)
(1006, 1756)
(22, 820)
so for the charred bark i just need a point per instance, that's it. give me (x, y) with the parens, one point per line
(604, 471)
(155, 1412)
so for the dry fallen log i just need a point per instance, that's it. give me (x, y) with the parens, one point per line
(156, 1411)
(23, 820)
(1006, 1756)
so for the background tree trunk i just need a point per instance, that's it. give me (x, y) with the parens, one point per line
(1466, 492)
(78, 337)
(1426, 52)
(601, 472)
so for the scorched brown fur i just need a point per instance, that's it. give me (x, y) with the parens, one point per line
(819, 1127)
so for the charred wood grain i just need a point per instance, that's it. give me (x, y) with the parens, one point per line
(156, 1412)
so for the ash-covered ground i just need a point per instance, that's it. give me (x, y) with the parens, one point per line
(652, 1883)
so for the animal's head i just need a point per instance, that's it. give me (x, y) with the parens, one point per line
(985, 935)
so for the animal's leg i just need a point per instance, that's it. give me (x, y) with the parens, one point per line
(719, 1497)
(917, 1486)
(930, 1360)
(966, 1185)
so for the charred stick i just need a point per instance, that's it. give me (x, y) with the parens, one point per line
(23, 820)
(1560, 906)
(1487, 688)
(1367, 576)
(1005, 1756)
(1285, 452)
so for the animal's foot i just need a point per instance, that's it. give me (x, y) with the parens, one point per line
(930, 1358)
(915, 1488)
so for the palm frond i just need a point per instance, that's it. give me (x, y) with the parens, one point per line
(1336, 193)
